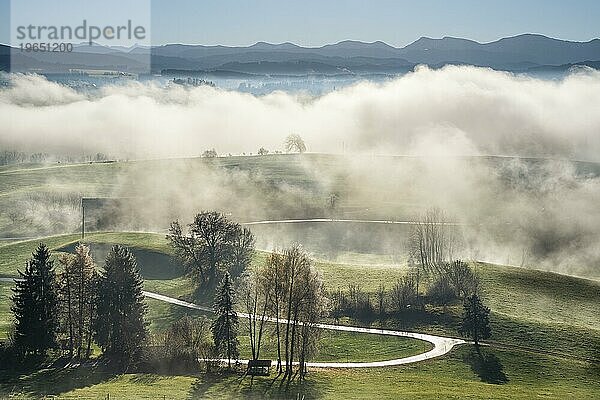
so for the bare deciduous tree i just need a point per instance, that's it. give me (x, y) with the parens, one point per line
(273, 275)
(77, 294)
(297, 297)
(254, 295)
(433, 241)
(462, 279)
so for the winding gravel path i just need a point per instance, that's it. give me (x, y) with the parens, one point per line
(441, 345)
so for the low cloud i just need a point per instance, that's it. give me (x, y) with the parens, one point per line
(462, 110)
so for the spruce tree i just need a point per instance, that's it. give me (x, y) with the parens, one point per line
(225, 325)
(35, 304)
(475, 320)
(120, 329)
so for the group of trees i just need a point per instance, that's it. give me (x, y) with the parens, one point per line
(293, 144)
(288, 289)
(433, 244)
(79, 306)
(210, 153)
(77, 286)
(284, 297)
(455, 281)
(434, 278)
(191, 341)
(8, 157)
(212, 244)
(402, 298)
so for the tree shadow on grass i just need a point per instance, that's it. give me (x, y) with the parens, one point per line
(152, 264)
(486, 365)
(595, 364)
(147, 378)
(52, 381)
(265, 387)
(205, 293)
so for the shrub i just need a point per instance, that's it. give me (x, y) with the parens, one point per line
(404, 293)
(441, 291)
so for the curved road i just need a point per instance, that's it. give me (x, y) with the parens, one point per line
(357, 221)
(441, 345)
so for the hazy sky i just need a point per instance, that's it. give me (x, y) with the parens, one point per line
(397, 22)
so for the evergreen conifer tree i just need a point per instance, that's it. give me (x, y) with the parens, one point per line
(225, 325)
(35, 304)
(475, 320)
(120, 329)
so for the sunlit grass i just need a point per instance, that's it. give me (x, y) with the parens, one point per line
(545, 327)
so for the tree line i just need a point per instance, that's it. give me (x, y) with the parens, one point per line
(71, 309)
(10, 157)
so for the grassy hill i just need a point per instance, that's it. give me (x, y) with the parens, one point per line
(546, 340)
(45, 199)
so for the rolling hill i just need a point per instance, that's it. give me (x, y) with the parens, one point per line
(545, 341)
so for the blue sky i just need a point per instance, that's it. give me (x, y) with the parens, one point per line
(397, 22)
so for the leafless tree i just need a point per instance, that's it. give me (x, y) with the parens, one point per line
(274, 278)
(433, 241)
(77, 291)
(313, 307)
(254, 295)
(462, 279)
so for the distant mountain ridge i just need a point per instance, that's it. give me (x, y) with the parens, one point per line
(517, 53)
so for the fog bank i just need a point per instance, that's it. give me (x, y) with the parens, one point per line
(465, 110)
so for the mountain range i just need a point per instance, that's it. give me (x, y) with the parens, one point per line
(520, 53)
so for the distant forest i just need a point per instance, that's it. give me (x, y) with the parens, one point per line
(10, 157)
